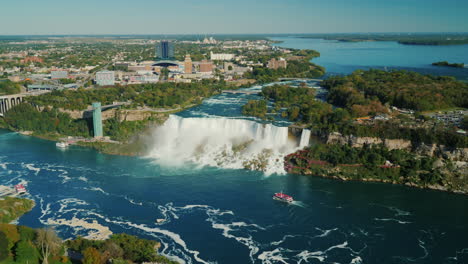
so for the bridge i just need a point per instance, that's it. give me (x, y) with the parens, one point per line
(299, 79)
(8, 101)
(88, 113)
(241, 92)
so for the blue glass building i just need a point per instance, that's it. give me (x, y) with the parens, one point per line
(165, 50)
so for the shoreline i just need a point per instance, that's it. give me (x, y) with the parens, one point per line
(439, 188)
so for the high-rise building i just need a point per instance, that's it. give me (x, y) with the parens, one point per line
(188, 64)
(105, 78)
(165, 50)
(206, 66)
(97, 120)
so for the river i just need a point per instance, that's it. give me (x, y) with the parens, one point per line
(345, 57)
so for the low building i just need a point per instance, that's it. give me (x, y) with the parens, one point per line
(59, 74)
(32, 59)
(277, 64)
(221, 56)
(206, 66)
(104, 78)
(39, 87)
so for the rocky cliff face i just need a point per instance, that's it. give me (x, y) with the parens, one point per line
(359, 142)
(432, 150)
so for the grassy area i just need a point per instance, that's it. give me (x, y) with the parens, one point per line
(12, 208)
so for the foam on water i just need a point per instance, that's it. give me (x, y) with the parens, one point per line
(32, 168)
(392, 220)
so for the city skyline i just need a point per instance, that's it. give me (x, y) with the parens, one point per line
(53, 17)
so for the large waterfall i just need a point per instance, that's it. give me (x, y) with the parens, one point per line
(222, 142)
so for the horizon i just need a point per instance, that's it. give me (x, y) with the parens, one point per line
(209, 17)
(237, 34)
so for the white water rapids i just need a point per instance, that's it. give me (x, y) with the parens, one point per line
(223, 142)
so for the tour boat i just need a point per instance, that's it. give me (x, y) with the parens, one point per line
(20, 189)
(61, 144)
(283, 197)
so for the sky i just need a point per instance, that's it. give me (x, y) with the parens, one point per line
(56, 17)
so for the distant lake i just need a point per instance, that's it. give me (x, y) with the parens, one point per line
(345, 57)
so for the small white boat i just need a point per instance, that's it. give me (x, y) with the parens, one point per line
(62, 144)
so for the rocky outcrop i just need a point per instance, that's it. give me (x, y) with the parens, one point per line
(359, 142)
(397, 144)
(431, 150)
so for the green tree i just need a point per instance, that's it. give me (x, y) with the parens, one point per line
(26, 253)
(91, 256)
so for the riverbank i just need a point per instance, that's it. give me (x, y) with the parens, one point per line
(12, 208)
(370, 162)
(21, 244)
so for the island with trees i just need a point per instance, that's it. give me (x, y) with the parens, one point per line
(432, 39)
(380, 126)
(447, 64)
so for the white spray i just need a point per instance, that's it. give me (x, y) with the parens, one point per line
(222, 142)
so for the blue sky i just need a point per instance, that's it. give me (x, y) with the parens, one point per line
(230, 16)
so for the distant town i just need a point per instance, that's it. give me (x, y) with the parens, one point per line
(53, 64)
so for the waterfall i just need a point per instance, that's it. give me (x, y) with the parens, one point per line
(305, 138)
(222, 142)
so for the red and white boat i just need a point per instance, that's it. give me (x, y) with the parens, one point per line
(20, 189)
(283, 197)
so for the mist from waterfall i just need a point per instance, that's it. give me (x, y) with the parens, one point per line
(222, 142)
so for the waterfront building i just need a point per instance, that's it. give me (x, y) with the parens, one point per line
(188, 64)
(165, 50)
(206, 66)
(221, 56)
(105, 78)
(97, 120)
(58, 74)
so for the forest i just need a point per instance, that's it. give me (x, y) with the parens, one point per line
(25, 117)
(8, 87)
(257, 108)
(369, 162)
(371, 92)
(298, 104)
(160, 95)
